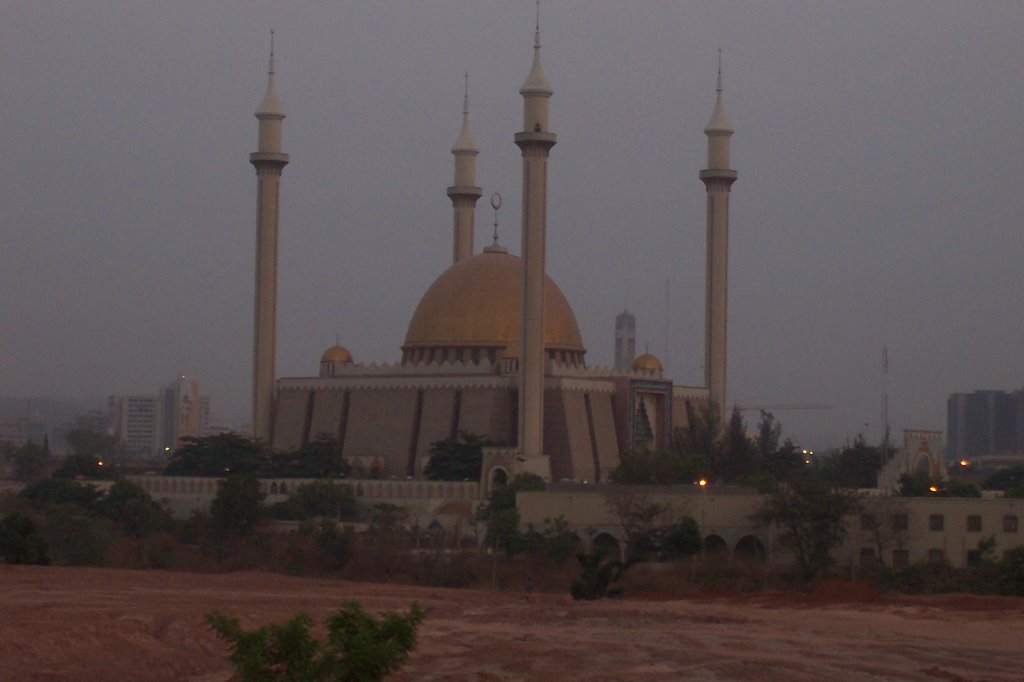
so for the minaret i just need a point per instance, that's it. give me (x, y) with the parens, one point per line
(465, 192)
(269, 162)
(625, 340)
(718, 179)
(535, 141)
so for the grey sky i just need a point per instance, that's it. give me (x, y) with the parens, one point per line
(879, 149)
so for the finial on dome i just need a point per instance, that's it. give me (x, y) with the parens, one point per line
(495, 247)
(719, 122)
(465, 142)
(536, 83)
(270, 107)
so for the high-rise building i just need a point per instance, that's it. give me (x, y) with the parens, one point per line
(149, 425)
(136, 421)
(625, 340)
(984, 423)
(185, 412)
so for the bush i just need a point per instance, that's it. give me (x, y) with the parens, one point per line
(237, 508)
(359, 648)
(597, 574)
(20, 541)
(61, 491)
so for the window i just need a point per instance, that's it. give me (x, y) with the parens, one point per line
(867, 557)
(867, 522)
(900, 559)
(1009, 523)
(900, 522)
(974, 523)
(936, 522)
(936, 556)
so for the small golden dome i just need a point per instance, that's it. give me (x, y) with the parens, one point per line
(476, 303)
(336, 354)
(647, 363)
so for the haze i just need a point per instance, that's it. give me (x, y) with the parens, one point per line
(879, 198)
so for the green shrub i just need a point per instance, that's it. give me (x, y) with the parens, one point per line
(20, 541)
(359, 647)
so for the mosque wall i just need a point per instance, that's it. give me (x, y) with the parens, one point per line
(437, 422)
(290, 419)
(327, 407)
(578, 445)
(489, 412)
(603, 418)
(380, 425)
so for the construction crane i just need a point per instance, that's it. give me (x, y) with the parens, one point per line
(789, 406)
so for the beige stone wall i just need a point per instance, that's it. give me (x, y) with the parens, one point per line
(380, 425)
(436, 423)
(577, 428)
(290, 418)
(326, 413)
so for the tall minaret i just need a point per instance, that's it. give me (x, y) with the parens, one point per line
(465, 192)
(269, 162)
(718, 179)
(535, 141)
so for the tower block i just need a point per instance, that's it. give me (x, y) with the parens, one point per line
(465, 192)
(535, 141)
(269, 162)
(717, 178)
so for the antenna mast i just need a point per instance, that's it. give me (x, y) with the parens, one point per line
(885, 403)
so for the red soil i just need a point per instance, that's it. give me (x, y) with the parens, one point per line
(105, 624)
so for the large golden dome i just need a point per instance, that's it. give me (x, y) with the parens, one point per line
(474, 307)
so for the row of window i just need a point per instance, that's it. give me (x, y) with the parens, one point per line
(936, 522)
(901, 557)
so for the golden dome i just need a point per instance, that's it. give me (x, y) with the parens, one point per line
(647, 363)
(336, 354)
(476, 303)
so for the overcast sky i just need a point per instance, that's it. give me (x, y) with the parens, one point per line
(879, 201)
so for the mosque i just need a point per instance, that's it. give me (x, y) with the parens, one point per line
(493, 347)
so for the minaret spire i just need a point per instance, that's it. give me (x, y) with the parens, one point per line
(464, 192)
(269, 162)
(718, 178)
(535, 141)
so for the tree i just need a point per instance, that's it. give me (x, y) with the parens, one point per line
(55, 491)
(885, 524)
(769, 431)
(659, 467)
(811, 515)
(502, 518)
(1010, 481)
(855, 466)
(82, 465)
(457, 459)
(29, 460)
(734, 460)
(93, 445)
(359, 647)
(20, 541)
(703, 428)
(783, 462)
(920, 485)
(318, 458)
(318, 498)
(654, 530)
(132, 507)
(224, 453)
(237, 508)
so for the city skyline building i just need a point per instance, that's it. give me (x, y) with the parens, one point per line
(984, 423)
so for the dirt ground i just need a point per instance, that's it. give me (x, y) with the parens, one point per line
(105, 624)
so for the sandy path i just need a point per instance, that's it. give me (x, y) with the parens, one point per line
(103, 624)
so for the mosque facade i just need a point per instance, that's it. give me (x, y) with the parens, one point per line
(493, 347)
